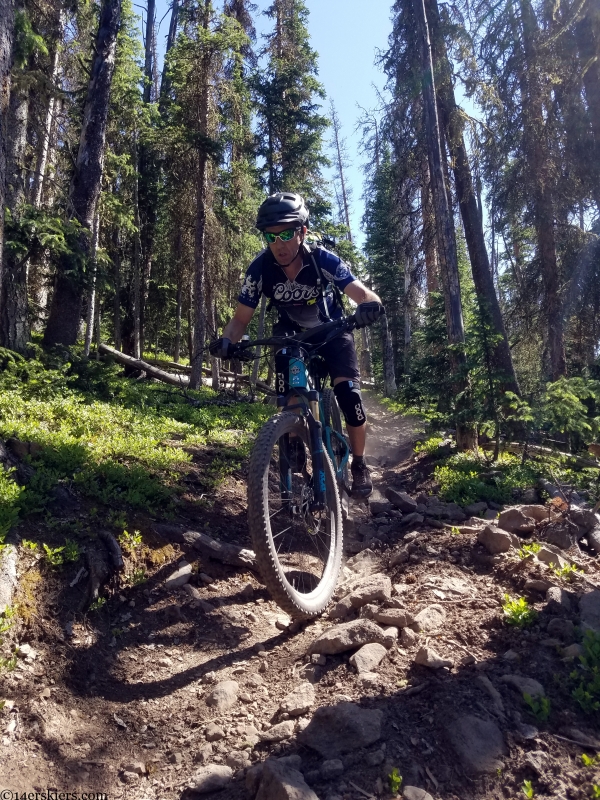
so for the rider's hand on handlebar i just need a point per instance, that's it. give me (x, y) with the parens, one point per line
(368, 313)
(221, 348)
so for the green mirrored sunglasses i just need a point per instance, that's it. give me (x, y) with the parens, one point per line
(285, 235)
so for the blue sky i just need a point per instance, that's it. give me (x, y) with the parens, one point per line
(346, 34)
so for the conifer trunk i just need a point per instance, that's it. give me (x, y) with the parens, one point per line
(387, 347)
(65, 312)
(465, 433)
(472, 222)
(429, 233)
(540, 171)
(14, 322)
(7, 24)
(587, 34)
(201, 212)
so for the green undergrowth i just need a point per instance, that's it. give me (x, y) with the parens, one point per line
(466, 478)
(122, 442)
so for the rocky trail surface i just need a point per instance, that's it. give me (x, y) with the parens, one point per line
(193, 683)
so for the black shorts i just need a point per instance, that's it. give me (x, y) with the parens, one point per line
(339, 355)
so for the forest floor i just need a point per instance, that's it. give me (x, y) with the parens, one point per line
(114, 700)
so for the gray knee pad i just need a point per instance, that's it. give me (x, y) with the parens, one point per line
(350, 402)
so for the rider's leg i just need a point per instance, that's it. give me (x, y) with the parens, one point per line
(356, 434)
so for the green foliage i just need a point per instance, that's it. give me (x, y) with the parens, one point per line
(10, 494)
(461, 480)
(98, 604)
(590, 761)
(587, 676)
(130, 541)
(136, 577)
(395, 781)
(566, 406)
(529, 549)
(567, 573)
(59, 556)
(527, 789)
(111, 438)
(430, 446)
(539, 706)
(595, 791)
(6, 619)
(518, 612)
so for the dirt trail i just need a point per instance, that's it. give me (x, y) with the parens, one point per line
(118, 701)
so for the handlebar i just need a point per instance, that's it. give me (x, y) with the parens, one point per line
(332, 329)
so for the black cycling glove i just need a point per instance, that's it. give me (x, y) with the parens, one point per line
(221, 348)
(368, 313)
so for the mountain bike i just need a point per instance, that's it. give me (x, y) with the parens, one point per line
(298, 470)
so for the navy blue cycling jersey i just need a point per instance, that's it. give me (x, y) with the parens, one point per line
(299, 303)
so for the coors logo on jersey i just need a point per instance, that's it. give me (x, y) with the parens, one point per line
(292, 292)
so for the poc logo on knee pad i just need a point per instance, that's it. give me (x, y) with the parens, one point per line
(347, 395)
(358, 410)
(280, 383)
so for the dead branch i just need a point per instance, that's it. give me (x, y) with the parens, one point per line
(220, 551)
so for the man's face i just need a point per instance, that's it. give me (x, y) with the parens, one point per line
(285, 251)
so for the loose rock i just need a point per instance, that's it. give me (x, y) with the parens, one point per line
(430, 618)
(376, 588)
(573, 651)
(563, 534)
(223, 696)
(476, 509)
(299, 700)
(408, 637)
(561, 628)
(427, 657)
(368, 681)
(401, 500)
(331, 769)
(589, 610)
(414, 793)
(524, 685)
(368, 657)
(213, 732)
(347, 636)
(341, 728)
(280, 782)
(514, 520)
(180, 577)
(279, 732)
(497, 541)
(478, 743)
(393, 616)
(211, 778)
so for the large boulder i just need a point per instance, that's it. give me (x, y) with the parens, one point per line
(562, 533)
(347, 636)
(585, 520)
(210, 778)
(341, 728)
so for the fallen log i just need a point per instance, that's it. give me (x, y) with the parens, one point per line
(137, 363)
(220, 551)
(175, 379)
(516, 448)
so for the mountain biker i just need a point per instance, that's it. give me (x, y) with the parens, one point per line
(304, 286)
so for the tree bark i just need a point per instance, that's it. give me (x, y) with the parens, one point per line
(14, 317)
(7, 24)
(117, 287)
(389, 372)
(429, 233)
(65, 313)
(587, 34)
(465, 432)
(473, 226)
(201, 212)
(91, 310)
(540, 172)
(339, 147)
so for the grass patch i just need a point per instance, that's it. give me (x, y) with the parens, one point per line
(518, 613)
(587, 677)
(120, 442)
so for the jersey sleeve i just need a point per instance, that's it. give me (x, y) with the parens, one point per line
(252, 286)
(335, 270)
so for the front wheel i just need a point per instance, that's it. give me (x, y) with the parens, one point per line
(298, 551)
